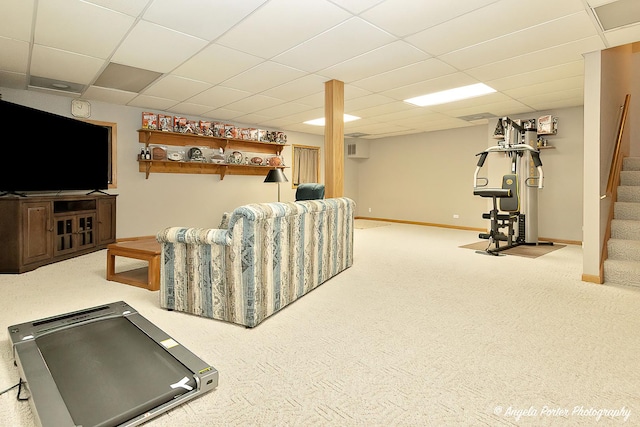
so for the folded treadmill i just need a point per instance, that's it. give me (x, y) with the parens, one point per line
(105, 366)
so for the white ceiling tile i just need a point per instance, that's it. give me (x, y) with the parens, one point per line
(314, 100)
(404, 17)
(254, 103)
(351, 91)
(215, 63)
(554, 55)
(263, 76)
(620, 36)
(285, 109)
(570, 69)
(219, 96)
(566, 102)
(252, 119)
(16, 18)
(278, 123)
(189, 109)
(80, 27)
(386, 58)
(576, 82)
(303, 116)
(223, 114)
(300, 127)
(480, 25)
(281, 25)
(111, 96)
(205, 19)
(298, 88)
(383, 109)
(140, 47)
(152, 102)
(404, 76)
(366, 102)
(331, 47)
(15, 55)
(543, 99)
(563, 30)
(178, 88)
(62, 65)
(130, 7)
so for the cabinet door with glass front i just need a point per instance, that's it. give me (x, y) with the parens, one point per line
(74, 232)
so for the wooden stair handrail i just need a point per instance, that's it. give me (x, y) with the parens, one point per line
(612, 183)
(616, 161)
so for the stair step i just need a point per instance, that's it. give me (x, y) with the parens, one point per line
(624, 249)
(629, 193)
(626, 210)
(631, 177)
(631, 164)
(625, 229)
(622, 272)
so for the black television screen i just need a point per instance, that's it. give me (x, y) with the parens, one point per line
(42, 151)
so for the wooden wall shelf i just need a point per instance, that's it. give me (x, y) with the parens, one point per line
(156, 137)
(222, 169)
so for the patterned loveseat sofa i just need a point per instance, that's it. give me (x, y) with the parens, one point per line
(266, 257)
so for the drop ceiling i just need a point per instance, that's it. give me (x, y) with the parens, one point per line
(265, 62)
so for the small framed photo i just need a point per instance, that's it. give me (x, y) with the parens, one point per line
(165, 123)
(149, 121)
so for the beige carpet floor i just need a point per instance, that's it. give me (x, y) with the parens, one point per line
(418, 332)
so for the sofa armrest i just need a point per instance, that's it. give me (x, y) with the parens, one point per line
(206, 236)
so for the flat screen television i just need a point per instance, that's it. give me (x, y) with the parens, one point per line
(46, 152)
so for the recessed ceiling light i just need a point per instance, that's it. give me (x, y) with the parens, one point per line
(320, 121)
(456, 94)
(60, 85)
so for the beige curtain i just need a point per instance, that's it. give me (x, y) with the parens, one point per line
(305, 164)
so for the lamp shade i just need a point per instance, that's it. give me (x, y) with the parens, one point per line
(276, 175)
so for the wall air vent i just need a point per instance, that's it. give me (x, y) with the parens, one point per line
(59, 87)
(477, 118)
(356, 135)
(358, 150)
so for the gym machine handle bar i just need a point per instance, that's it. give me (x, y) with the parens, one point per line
(535, 155)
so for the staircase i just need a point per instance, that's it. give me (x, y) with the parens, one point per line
(623, 263)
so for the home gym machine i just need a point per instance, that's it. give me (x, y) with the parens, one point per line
(518, 194)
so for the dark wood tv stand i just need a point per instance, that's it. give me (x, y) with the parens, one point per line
(39, 230)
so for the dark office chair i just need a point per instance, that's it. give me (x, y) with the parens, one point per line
(310, 191)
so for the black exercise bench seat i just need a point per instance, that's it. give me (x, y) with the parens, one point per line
(492, 192)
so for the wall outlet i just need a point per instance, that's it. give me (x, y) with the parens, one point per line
(456, 216)
(369, 210)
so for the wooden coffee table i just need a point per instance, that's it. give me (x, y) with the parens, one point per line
(146, 249)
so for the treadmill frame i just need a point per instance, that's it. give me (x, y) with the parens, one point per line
(47, 404)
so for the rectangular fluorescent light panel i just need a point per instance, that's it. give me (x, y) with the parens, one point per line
(456, 94)
(320, 121)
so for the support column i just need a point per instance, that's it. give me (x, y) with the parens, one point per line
(334, 138)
